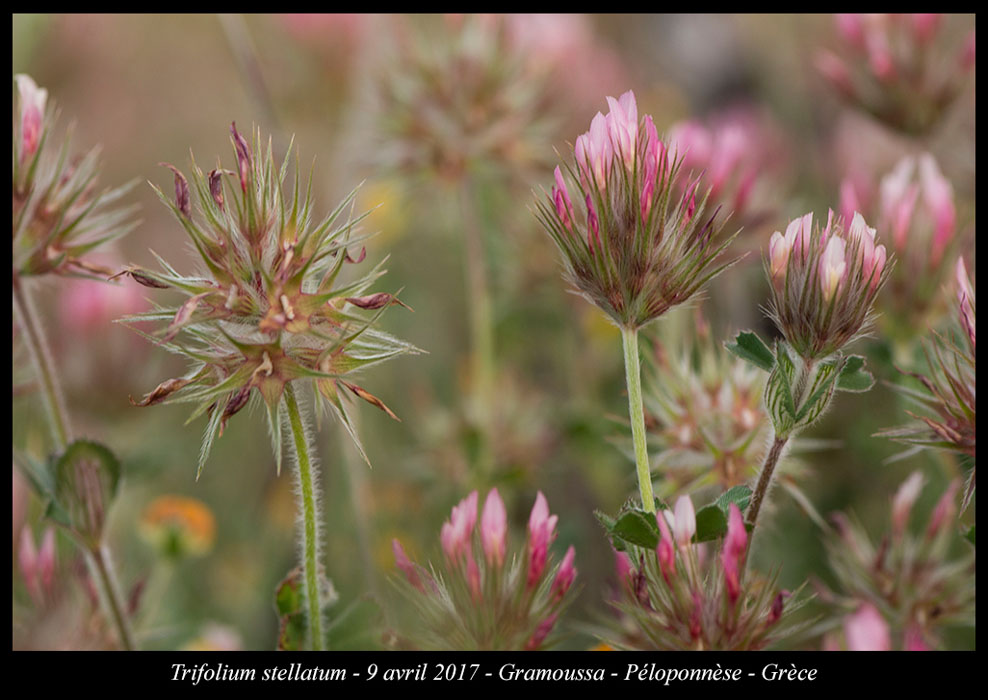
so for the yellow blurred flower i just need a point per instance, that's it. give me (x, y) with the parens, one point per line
(179, 526)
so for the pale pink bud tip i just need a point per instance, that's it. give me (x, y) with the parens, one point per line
(565, 575)
(684, 521)
(945, 509)
(405, 565)
(33, 100)
(665, 551)
(832, 267)
(965, 298)
(903, 501)
(866, 630)
(494, 528)
(456, 532)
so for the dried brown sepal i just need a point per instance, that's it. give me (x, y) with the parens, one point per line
(160, 392)
(377, 301)
(371, 399)
(183, 315)
(243, 155)
(182, 200)
(216, 185)
(236, 403)
(140, 278)
(359, 258)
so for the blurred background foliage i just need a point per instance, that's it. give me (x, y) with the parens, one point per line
(151, 87)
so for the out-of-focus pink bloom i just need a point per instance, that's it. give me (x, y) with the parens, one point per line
(32, 101)
(851, 28)
(565, 575)
(898, 194)
(622, 124)
(541, 632)
(691, 142)
(594, 152)
(902, 502)
(494, 528)
(456, 532)
(938, 195)
(914, 639)
(560, 196)
(880, 54)
(27, 561)
(665, 550)
(88, 307)
(684, 523)
(967, 59)
(733, 550)
(541, 533)
(945, 509)
(46, 560)
(866, 630)
(925, 25)
(834, 71)
(404, 563)
(622, 565)
(965, 298)
(832, 267)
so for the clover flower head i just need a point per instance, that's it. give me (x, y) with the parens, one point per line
(269, 307)
(633, 236)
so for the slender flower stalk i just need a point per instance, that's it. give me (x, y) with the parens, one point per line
(632, 369)
(308, 479)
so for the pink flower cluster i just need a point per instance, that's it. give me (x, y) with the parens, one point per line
(833, 265)
(616, 136)
(731, 152)
(488, 579)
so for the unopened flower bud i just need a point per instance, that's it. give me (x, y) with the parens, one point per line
(902, 502)
(541, 533)
(684, 522)
(565, 575)
(32, 102)
(494, 528)
(832, 267)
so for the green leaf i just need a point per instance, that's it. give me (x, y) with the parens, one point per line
(778, 392)
(969, 535)
(638, 528)
(85, 480)
(854, 377)
(288, 603)
(738, 495)
(750, 348)
(821, 391)
(711, 523)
